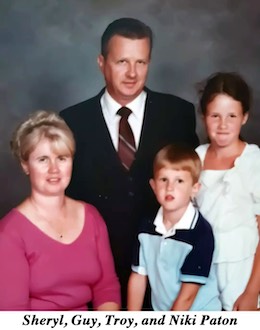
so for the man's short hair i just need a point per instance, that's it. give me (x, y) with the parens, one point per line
(126, 27)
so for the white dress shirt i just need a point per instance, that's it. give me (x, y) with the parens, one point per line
(110, 107)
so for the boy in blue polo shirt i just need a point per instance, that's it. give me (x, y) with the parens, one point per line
(175, 250)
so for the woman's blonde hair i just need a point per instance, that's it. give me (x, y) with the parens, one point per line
(42, 124)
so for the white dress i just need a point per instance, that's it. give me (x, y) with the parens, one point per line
(230, 200)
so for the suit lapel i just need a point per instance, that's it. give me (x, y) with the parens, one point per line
(151, 125)
(102, 136)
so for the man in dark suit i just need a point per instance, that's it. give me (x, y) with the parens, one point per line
(100, 176)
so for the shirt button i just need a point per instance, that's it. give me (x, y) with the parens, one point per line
(131, 194)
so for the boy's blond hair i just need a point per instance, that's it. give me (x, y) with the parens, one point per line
(179, 157)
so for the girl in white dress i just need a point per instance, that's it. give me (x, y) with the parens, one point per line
(230, 190)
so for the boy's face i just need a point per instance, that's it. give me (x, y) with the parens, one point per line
(174, 190)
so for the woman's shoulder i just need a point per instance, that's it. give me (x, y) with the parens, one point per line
(79, 206)
(10, 218)
(9, 215)
(13, 224)
(89, 208)
(91, 213)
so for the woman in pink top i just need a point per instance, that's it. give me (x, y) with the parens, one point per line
(54, 251)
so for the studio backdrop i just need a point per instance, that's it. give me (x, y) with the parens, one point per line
(48, 51)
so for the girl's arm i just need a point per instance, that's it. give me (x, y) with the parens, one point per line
(249, 298)
(258, 223)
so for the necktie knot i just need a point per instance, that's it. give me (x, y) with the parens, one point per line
(124, 112)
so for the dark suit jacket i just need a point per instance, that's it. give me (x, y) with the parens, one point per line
(98, 178)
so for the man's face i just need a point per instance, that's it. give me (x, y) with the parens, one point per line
(125, 67)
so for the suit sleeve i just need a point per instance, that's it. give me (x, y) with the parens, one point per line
(190, 126)
(77, 189)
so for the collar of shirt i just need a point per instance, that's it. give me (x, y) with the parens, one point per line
(187, 221)
(110, 107)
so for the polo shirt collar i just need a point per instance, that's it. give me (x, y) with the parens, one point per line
(187, 221)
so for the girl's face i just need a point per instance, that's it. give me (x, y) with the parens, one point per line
(223, 120)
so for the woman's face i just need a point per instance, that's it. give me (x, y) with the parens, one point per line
(49, 170)
(223, 120)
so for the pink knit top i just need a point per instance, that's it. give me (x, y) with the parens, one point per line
(40, 273)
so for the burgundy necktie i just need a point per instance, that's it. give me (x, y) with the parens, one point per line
(126, 141)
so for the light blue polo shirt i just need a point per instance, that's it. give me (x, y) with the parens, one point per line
(182, 254)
